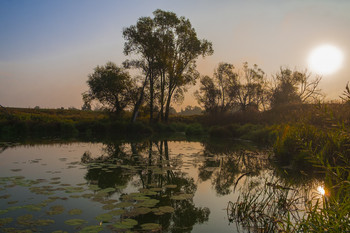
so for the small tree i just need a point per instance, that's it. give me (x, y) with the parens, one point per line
(294, 87)
(111, 86)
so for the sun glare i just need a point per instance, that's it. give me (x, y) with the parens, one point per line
(325, 59)
(321, 190)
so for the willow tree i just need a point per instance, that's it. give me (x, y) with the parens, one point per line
(167, 46)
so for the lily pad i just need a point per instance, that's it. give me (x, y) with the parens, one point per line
(57, 209)
(16, 170)
(116, 212)
(124, 204)
(4, 221)
(75, 212)
(150, 226)
(171, 186)
(166, 209)
(75, 222)
(182, 197)
(104, 217)
(148, 203)
(109, 207)
(125, 224)
(44, 222)
(91, 229)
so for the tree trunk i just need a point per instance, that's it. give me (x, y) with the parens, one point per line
(139, 102)
(151, 82)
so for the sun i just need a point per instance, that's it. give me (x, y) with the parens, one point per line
(325, 59)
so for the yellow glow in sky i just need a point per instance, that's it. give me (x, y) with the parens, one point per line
(326, 59)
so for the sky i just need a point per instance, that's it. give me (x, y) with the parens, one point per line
(48, 48)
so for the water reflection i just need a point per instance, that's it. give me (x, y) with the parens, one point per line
(157, 185)
(157, 176)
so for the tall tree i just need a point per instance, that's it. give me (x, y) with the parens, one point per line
(168, 47)
(142, 41)
(251, 89)
(110, 85)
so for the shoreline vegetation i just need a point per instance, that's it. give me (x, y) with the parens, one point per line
(308, 140)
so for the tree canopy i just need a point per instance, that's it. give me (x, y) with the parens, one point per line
(110, 85)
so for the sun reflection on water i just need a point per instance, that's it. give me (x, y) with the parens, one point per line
(321, 190)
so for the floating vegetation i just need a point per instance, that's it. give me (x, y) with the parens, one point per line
(57, 209)
(182, 196)
(75, 222)
(116, 212)
(4, 221)
(109, 207)
(151, 226)
(5, 196)
(75, 211)
(28, 220)
(16, 170)
(125, 224)
(104, 217)
(91, 229)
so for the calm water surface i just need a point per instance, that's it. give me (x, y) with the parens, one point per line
(169, 186)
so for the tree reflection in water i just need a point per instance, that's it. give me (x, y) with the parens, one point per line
(148, 167)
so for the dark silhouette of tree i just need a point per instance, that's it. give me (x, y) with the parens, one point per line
(294, 87)
(111, 86)
(218, 94)
(167, 47)
(231, 90)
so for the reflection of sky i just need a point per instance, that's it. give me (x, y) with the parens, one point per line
(57, 158)
(47, 48)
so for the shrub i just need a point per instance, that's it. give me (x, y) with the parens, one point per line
(194, 130)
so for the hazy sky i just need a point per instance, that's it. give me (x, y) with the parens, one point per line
(47, 48)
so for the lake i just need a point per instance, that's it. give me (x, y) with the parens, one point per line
(141, 186)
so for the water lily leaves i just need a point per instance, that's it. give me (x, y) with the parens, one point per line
(166, 209)
(171, 186)
(107, 190)
(4, 221)
(116, 212)
(12, 202)
(44, 222)
(74, 189)
(148, 203)
(94, 187)
(141, 211)
(109, 207)
(75, 212)
(54, 210)
(124, 204)
(182, 196)
(33, 207)
(156, 189)
(104, 217)
(3, 211)
(75, 222)
(126, 224)
(55, 178)
(16, 170)
(25, 219)
(5, 196)
(91, 229)
(151, 226)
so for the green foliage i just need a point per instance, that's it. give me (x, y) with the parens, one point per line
(110, 85)
(194, 130)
